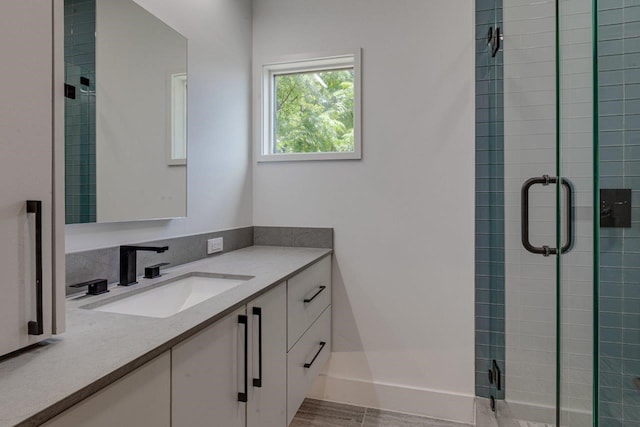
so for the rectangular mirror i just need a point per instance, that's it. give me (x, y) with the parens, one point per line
(125, 112)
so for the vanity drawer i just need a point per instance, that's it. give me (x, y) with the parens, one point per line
(308, 294)
(305, 360)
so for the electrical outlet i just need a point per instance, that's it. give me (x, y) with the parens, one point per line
(214, 245)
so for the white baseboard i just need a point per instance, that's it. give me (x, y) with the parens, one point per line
(392, 397)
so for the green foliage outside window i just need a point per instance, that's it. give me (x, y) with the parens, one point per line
(314, 112)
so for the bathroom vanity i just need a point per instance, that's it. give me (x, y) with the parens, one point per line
(245, 357)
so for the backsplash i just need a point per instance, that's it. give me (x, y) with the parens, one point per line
(300, 237)
(104, 263)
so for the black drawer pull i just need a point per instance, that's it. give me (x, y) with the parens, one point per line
(242, 320)
(308, 365)
(257, 382)
(307, 300)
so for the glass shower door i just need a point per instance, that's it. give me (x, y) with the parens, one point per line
(530, 232)
(571, 123)
(576, 167)
(548, 214)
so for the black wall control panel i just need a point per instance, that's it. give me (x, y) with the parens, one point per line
(615, 207)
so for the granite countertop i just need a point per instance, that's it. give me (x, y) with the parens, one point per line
(98, 348)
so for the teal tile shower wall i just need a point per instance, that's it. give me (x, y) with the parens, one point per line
(619, 148)
(489, 265)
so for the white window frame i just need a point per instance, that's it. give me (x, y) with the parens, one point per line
(302, 64)
(177, 120)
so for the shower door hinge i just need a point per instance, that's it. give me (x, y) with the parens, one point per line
(494, 40)
(495, 375)
(69, 91)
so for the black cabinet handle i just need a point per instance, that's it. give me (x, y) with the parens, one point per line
(37, 327)
(307, 300)
(545, 180)
(242, 319)
(308, 365)
(257, 382)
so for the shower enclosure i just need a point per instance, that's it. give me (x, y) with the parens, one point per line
(558, 212)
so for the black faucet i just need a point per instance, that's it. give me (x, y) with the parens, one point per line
(128, 260)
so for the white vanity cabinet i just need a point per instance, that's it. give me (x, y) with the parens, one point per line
(141, 398)
(266, 406)
(207, 375)
(288, 331)
(213, 383)
(252, 368)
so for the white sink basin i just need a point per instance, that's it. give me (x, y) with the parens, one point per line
(173, 296)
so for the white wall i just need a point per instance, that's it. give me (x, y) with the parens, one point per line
(404, 214)
(219, 192)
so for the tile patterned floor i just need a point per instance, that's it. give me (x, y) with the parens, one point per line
(317, 413)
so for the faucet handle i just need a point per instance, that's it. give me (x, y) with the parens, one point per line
(96, 286)
(158, 249)
(153, 271)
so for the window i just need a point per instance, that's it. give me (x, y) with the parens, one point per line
(178, 120)
(311, 109)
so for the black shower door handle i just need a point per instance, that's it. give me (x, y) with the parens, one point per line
(524, 200)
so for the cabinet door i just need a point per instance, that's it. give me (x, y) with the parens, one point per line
(208, 374)
(141, 399)
(26, 150)
(267, 406)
